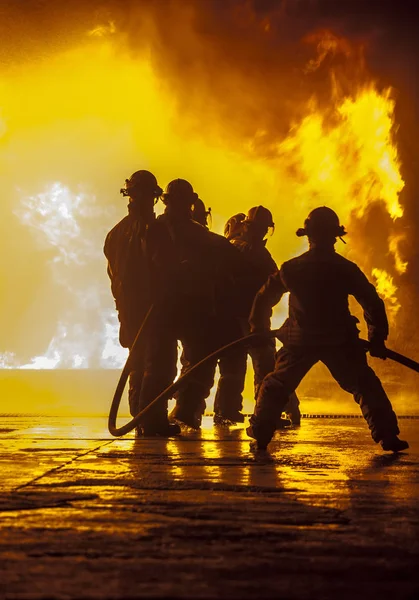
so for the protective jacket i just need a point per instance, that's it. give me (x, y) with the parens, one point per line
(319, 282)
(129, 272)
(193, 266)
(260, 266)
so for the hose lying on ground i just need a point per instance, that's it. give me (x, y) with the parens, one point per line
(174, 387)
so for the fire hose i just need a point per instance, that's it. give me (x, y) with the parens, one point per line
(174, 387)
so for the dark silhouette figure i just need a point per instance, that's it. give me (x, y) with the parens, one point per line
(200, 213)
(195, 275)
(234, 227)
(321, 328)
(248, 235)
(129, 268)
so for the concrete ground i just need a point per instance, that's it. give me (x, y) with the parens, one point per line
(324, 514)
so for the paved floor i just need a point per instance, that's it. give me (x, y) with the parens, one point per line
(325, 514)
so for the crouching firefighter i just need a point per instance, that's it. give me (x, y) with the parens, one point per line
(320, 328)
(129, 269)
(247, 233)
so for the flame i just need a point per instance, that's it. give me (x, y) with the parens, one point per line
(103, 30)
(388, 290)
(326, 43)
(347, 160)
(399, 263)
(104, 113)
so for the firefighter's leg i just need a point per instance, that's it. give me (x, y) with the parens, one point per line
(136, 380)
(200, 337)
(190, 399)
(228, 401)
(348, 365)
(134, 390)
(263, 361)
(159, 372)
(290, 368)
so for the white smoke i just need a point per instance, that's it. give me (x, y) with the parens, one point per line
(73, 225)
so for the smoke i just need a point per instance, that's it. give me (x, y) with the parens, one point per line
(228, 83)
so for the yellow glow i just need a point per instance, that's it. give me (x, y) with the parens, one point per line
(76, 124)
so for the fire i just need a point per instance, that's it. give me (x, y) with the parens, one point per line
(399, 263)
(387, 289)
(97, 113)
(347, 159)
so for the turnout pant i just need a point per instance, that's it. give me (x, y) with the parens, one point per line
(160, 358)
(190, 400)
(128, 335)
(233, 366)
(196, 333)
(135, 383)
(348, 365)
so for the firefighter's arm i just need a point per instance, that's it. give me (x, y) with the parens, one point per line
(266, 298)
(374, 313)
(107, 253)
(107, 250)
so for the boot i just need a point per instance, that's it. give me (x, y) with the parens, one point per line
(283, 423)
(262, 437)
(167, 430)
(393, 444)
(186, 420)
(226, 420)
(294, 416)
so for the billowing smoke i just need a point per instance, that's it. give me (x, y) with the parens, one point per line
(222, 92)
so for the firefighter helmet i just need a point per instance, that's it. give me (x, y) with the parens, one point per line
(234, 226)
(261, 216)
(322, 222)
(179, 190)
(141, 181)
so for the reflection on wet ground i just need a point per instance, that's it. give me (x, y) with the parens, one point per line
(323, 514)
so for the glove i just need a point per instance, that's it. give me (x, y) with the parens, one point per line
(378, 349)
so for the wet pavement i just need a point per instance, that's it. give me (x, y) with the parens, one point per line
(324, 514)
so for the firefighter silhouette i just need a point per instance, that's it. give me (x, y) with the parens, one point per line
(195, 274)
(320, 328)
(129, 269)
(248, 234)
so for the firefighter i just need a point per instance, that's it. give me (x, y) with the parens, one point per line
(194, 271)
(320, 328)
(129, 272)
(233, 229)
(248, 234)
(232, 365)
(200, 213)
